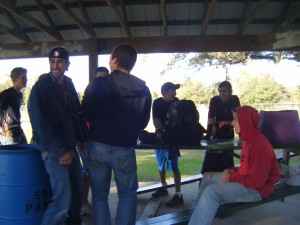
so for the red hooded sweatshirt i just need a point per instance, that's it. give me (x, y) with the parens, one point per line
(258, 165)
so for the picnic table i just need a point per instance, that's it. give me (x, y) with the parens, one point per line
(226, 146)
(230, 146)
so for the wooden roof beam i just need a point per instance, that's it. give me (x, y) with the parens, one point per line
(208, 14)
(288, 20)
(163, 13)
(86, 17)
(19, 33)
(283, 14)
(210, 43)
(245, 22)
(121, 18)
(27, 18)
(14, 33)
(245, 9)
(65, 10)
(124, 13)
(48, 18)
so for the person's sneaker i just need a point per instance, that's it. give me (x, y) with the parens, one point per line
(86, 210)
(175, 201)
(160, 192)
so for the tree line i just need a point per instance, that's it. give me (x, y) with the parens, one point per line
(252, 90)
(261, 90)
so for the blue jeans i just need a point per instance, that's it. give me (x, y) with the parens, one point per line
(103, 159)
(21, 139)
(66, 187)
(84, 162)
(212, 193)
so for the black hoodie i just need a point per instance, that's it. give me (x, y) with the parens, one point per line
(118, 107)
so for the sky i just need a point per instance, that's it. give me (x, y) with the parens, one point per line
(149, 67)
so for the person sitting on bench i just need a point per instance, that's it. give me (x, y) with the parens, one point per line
(250, 182)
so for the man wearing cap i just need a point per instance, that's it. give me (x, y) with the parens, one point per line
(54, 111)
(166, 159)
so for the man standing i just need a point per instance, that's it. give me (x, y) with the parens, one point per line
(86, 208)
(11, 131)
(253, 180)
(166, 158)
(101, 72)
(118, 107)
(219, 127)
(54, 111)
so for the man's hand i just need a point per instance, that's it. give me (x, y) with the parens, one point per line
(66, 159)
(81, 146)
(159, 133)
(225, 176)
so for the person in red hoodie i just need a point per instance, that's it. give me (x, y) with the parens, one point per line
(250, 182)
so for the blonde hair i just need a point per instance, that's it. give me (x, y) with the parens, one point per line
(17, 72)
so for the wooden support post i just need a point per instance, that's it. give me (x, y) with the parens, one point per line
(93, 58)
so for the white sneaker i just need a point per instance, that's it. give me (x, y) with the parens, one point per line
(86, 210)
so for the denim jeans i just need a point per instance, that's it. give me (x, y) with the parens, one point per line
(212, 193)
(84, 162)
(103, 159)
(66, 187)
(21, 139)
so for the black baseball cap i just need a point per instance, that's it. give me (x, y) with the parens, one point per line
(59, 52)
(168, 86)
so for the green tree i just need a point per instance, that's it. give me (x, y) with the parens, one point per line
(295, 94)
(154, 95)
(7, 84)
(195, 91)
(260, 89)
(26, 93)
(225, 59)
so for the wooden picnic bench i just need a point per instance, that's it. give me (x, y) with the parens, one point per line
(190, 179)
(183, 216)
(155, 187)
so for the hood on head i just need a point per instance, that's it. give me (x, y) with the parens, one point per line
(248, 118)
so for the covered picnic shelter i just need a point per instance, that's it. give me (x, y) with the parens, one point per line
(30, 28)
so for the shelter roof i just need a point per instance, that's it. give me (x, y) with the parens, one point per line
(30, 27)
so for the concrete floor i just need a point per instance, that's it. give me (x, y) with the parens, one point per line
(274, 213)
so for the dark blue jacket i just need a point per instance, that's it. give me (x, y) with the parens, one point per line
(56, 129)
(118, 107)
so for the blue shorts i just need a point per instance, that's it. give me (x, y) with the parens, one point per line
(167, 159)
(84, 162)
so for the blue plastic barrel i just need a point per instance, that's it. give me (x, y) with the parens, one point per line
(24, 185)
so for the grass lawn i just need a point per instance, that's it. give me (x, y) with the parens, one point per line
(190, 163)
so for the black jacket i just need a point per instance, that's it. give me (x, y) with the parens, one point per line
(10, 116)
(56, 129)
(118, 107)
